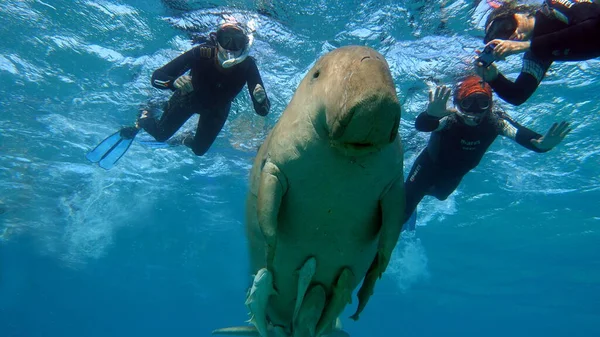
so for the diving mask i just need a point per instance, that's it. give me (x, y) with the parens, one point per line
(233, 44)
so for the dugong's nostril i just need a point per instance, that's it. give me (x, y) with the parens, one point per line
(364, 58)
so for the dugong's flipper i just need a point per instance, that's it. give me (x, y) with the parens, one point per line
(310, 312)
(341, 296)
(258, 298)
(392, 217)
(271, 189)
(367, 288)
(305, 275)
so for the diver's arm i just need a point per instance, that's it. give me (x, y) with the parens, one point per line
(520, 134)
(427, 123)
(254, 79)
(517, 92)
(165, 76)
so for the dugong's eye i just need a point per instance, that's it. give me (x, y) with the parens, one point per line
(316, 74)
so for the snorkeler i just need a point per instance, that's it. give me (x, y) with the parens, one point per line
(460, 137)
(557, 30)
(220, 68)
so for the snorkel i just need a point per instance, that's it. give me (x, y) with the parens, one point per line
(472, 119)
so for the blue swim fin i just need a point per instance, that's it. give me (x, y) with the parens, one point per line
(112, 148)
(411, 223)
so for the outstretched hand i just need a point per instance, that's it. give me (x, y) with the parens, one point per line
(259, 93)
(553, 137)
(184, 84)
(438, 101)
(506, 48)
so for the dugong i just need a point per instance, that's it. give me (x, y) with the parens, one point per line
(326, 200)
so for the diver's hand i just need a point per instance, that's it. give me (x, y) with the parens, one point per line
(259, 93)
(506, 48)
(438, 101)
(184, 84)
(488, 74)
(553, 137)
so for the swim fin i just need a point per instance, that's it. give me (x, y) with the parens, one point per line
(113, 147)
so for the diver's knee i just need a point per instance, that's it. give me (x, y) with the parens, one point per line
(199, 150)
(162, 138)
(439, 194)
(443, 195)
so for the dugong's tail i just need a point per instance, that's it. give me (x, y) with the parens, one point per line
(251, 331)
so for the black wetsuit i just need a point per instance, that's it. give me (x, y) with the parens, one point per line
(214, 90)
(453, 150)
(564, 31)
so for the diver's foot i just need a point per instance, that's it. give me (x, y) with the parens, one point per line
(145, 117)
(129, 132)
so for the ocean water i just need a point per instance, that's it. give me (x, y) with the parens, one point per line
(156, 247)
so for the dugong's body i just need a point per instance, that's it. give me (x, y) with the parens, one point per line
(326, 196)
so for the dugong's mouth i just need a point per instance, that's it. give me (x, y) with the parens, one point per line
(359, 145)
(368, 126)
(354, 148)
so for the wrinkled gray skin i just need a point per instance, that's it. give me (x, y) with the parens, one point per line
(327, 183)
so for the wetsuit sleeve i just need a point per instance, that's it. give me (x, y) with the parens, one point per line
(165, 76)
(254, 79)
(519, 91)
(522, 135)
(580, 35)
(428, 123)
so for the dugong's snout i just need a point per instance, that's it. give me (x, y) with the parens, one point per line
(369, 112)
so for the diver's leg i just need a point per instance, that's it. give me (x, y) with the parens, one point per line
(209, 126)
(447, 184)
(418, 182)
(176, 112)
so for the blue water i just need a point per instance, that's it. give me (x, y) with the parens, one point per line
(156, 247)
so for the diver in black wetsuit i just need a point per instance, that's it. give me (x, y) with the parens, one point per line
(460, 138)
(220, 68)
(558, 30)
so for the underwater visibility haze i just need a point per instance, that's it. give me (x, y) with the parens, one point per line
(156, 245)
